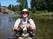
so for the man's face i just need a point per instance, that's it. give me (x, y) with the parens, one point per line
(25, 14)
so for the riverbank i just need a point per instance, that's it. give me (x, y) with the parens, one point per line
(44, 25)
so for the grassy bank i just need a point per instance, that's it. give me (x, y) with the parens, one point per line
(44, 26)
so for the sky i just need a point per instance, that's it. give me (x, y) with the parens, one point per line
(7, 2)
(29, 6)
(13, 2)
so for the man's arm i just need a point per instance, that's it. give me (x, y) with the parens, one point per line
(33, 26)
(15, 28)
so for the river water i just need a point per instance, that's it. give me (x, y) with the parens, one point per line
(6, 25)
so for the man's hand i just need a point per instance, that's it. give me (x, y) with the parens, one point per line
(30, 29)
(18, 29)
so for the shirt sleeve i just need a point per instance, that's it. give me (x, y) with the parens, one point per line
(33, 26)
(16, 24)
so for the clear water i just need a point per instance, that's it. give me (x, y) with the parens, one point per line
(6, 25)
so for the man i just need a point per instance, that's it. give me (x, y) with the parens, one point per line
(24, 21)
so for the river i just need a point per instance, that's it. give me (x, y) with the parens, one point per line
(6, 25)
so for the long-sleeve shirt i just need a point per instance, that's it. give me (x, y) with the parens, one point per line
(32, 24)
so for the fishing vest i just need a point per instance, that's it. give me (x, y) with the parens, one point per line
(23, 24)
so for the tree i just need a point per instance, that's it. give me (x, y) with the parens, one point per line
(23, 4)
(10, 7)
(14, 8)
(0, 6)
(42, 5)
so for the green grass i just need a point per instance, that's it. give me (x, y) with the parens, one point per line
(44, 26)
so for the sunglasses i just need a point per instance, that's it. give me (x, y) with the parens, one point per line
(25, 12)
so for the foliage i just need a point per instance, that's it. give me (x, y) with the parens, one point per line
(36, 5)
(42, 5)
(23, 4)
(12, 7)
(0, 6)
(44, 26)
